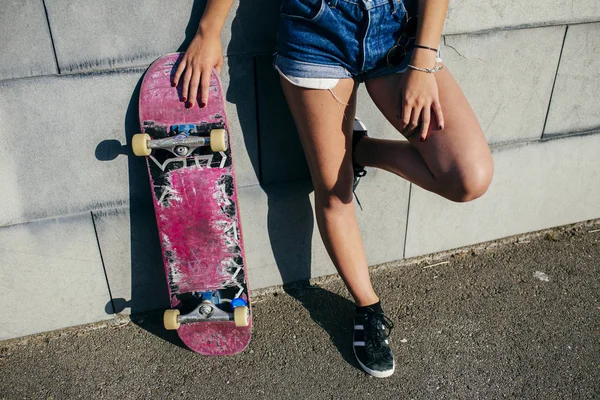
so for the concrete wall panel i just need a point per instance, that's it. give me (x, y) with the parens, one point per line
(92, 35)
(26, 45)
(507, 78)
(52, 276)
(128, 239)
(475, 15)
(576, 95)
(278, 227)
(63, 141)
(535, 186)
(237, 78)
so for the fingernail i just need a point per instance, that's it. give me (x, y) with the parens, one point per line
(422, 139)
(173, 84)
(185, 99)
(440, 127)
(203, 105)
(188, 105)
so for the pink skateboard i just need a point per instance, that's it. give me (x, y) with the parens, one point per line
(195, 198)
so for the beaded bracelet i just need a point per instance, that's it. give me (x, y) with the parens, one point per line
(435, 68)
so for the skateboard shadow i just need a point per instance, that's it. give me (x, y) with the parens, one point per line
(141, 255)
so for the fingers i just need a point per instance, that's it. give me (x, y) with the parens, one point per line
(414, 120)
(186, 84)
(437, 109)
(194, 78)
(425, 120)
(219, 66)
(200, 79)
(205, 87)
(195, 81)
(178, 72)
(405, 118)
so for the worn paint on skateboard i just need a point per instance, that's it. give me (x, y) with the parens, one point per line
(196, 204)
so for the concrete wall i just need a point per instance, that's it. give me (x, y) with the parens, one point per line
(78, 239)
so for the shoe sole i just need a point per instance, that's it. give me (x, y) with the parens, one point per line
(376, 374)
(359, 126)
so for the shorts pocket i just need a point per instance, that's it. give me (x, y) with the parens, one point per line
(309, 10)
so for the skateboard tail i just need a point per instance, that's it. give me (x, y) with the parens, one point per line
(215, 339)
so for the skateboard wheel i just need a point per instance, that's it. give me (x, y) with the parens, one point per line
(241, 316)
(139, 144)
(218, 140)
(170, 319)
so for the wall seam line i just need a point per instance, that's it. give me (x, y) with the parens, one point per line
(407, 218)
(51, 36)
(257, 116)
(562, 47)
(112, 303)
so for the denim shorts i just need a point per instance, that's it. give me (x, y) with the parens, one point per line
(322, 41)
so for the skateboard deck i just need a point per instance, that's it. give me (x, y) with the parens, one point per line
(195, 199)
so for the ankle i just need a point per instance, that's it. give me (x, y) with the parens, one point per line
(366, 301)
(376, 308)
(358, 152)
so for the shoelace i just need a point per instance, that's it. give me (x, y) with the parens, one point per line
(379, 335)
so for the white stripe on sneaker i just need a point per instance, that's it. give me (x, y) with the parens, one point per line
(359, 343)
(359, 327)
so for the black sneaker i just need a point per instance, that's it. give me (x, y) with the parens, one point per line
(371, 346)
(359, 132)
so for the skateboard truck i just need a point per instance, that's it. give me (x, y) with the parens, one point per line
(207, 311)
(182, 144)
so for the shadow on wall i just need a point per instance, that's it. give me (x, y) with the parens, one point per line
(290, 215)
(290, 220)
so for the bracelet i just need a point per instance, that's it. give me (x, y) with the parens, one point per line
(425, 47)
(435, 68)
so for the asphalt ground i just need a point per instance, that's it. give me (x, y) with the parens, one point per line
(516, 319)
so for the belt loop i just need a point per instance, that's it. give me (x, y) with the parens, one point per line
(332, 3)
(393, 6)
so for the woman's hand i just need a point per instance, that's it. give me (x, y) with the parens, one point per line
(204, 53)
(419, 98)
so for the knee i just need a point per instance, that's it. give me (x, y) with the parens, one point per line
(333, 200)
(335, 193)
(472, 183)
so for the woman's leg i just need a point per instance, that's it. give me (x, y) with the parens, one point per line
(325, 125)
(455, 162)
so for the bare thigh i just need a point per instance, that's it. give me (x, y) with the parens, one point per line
(324, 123)
(458, 154)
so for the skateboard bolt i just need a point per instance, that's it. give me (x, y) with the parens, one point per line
(181, 150)
(206, 309)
